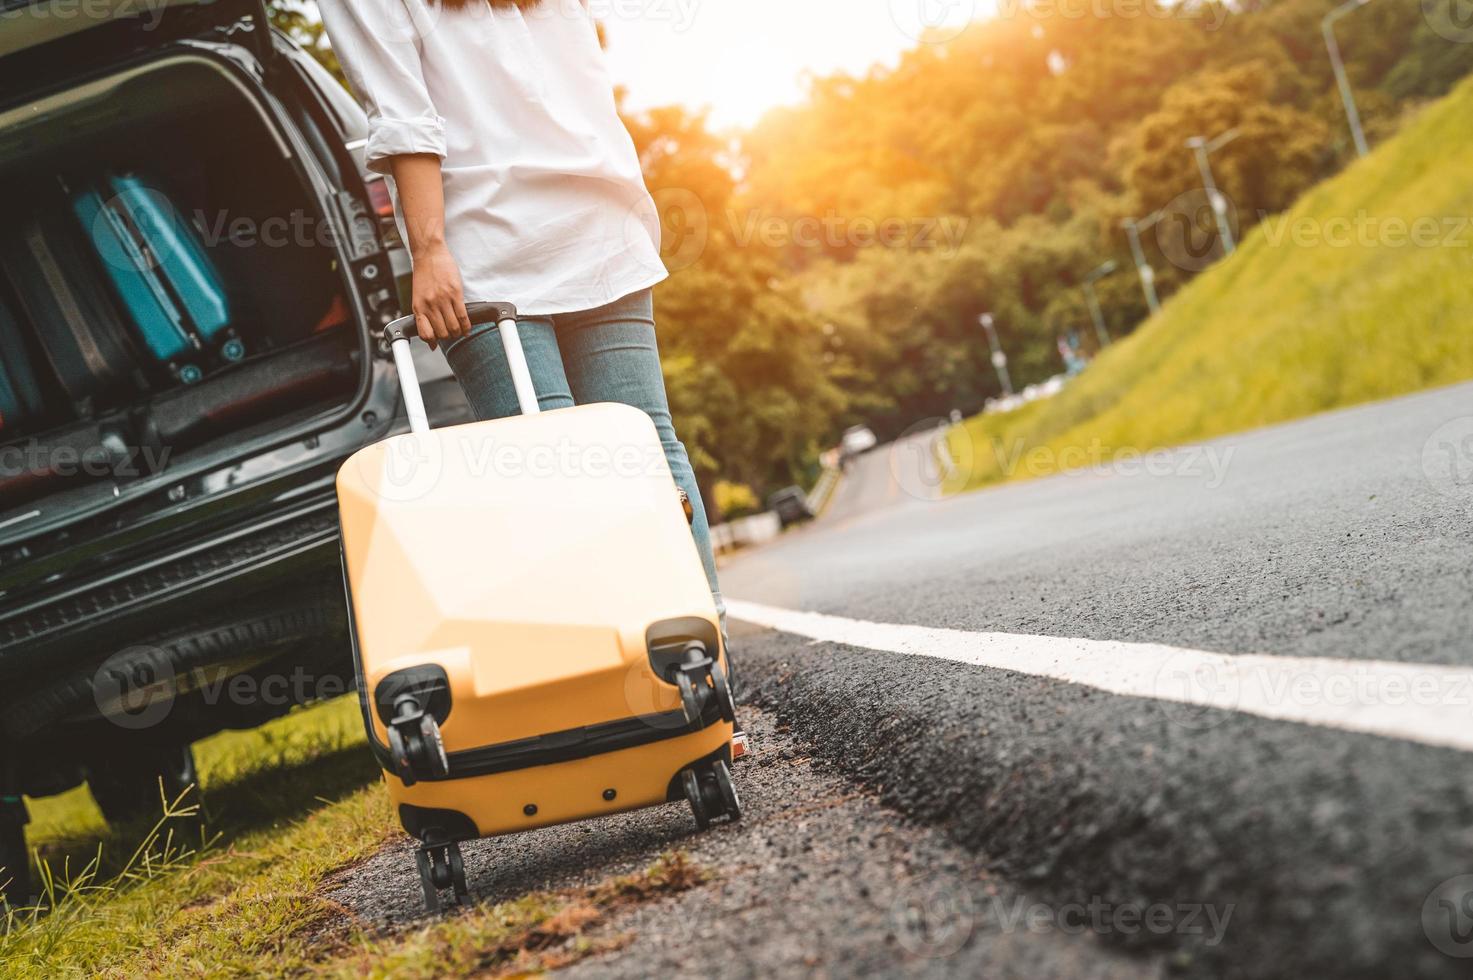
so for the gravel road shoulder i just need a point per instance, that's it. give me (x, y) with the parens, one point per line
(819, 879)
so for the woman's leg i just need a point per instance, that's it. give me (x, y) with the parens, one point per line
(610, 355)
(479, 363)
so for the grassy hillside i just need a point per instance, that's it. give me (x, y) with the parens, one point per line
(1363, 291)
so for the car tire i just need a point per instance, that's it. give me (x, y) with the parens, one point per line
(172, 653)
(15, 863)
(138, 785)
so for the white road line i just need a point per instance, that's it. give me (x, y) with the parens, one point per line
(1427, 703)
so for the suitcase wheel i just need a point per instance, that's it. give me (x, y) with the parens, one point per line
(711, 793)
(441, 869)
(726, 786)
(724, 698)
(699, 679)
(690, 699)
(697, 799)
(415, 743)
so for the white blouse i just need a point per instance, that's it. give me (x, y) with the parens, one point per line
(545, 204)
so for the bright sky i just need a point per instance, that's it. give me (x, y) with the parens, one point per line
(742, 57)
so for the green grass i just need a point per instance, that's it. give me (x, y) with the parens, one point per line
(285, 804)
(1307, 316)
(286, 807)
(250, 779)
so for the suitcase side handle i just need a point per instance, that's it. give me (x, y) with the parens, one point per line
(400, 332)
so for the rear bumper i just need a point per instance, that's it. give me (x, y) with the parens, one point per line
(118, 575)
(288, 546)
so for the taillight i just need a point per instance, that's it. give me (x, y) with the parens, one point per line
(380, 198)
(382, 203)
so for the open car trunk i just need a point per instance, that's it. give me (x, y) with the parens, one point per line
(169, 290)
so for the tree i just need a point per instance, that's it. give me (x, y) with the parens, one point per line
(743, 355)
(1025, 140)
(298, 19)
(1278, 153)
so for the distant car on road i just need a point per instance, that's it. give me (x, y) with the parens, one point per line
(791, 506)
(857, 440)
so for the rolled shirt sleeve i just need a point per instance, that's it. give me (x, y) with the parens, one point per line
(377, 43)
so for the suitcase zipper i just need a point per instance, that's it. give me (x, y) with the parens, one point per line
(141, 253)
(555, 747)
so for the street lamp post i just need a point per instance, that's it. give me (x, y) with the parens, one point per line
(1096, 314)
(1133, 229)
(1203, 148)
(1341, 79)
(999, 359)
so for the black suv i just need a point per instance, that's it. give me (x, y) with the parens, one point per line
(169, 543)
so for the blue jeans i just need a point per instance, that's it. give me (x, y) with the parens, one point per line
(603, 355)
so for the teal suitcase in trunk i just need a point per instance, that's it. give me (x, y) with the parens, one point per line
(159, 268)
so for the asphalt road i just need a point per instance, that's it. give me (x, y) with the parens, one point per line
(909, 814)
(818, 879)
(1347, 536)
(1322, 537)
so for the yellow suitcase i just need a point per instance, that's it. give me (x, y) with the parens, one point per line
(534, 636)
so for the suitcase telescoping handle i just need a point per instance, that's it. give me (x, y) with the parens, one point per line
(402, 331)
